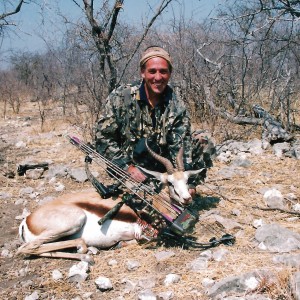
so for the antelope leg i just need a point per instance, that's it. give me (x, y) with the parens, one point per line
(77, 256)
(33, 248)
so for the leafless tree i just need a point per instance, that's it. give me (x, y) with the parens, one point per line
(104, 30)
(256, 61)
(14, 9)
(247, 55)
(12, 91)
(37, 72)
(8, 9)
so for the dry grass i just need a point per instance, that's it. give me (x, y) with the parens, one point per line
(241, 192)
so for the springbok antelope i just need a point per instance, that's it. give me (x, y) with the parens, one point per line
(175, 180)
(71, 220)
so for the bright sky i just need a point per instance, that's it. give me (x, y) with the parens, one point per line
(34, 28)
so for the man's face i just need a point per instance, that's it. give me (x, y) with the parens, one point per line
(156, 75)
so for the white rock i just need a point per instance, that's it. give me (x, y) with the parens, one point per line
(274, 199)
(296, 207)
(78, 272)
(20, 201)
(33, 296)
(112, 262)
(236, 212)
(251, 283)
(224, 157)
(5, 253)
(93, 250)
(207, 253)
(59, 187)
(293, 188)
(129, 285)
(103, 283)
(262, 246)
(23, 272)
(56, 275)
(45, 200)
(34, 173)
(291, 196)
(20, 144)
(87, 295)
(52, 180)
(162, 255)
(198, 265)
(27, 283)
(273, 193)
(5, 196)
(147, 283)
(207, 282)
(292, 219)
(257, 223)
(168, 295)
(171, 278)
(147, 295)
(133, 265)
(34, 195)
(255, 147)
(219, 254)
(26, 191)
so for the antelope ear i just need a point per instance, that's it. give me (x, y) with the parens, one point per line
(193, 172)
(159, 176)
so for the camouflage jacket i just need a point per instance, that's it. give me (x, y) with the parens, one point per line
(127, 119)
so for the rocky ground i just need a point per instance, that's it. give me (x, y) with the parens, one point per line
(239, 197)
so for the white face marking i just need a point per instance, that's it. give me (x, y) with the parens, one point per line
(177, 183)
(178, 187)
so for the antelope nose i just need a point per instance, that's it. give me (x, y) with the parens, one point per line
(187, 200)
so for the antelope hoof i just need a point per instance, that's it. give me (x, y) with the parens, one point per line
(87, 258)
(81, 247)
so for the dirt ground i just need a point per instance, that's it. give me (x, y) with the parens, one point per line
(21, 276)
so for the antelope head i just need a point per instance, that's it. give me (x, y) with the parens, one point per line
(175, 179)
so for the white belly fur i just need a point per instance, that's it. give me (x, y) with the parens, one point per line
(108, 234)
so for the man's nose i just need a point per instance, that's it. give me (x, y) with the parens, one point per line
(158, 76)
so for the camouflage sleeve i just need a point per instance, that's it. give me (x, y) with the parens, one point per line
(108, 139)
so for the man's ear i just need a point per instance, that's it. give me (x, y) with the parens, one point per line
(143, 73)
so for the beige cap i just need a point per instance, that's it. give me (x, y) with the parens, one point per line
(155, 52)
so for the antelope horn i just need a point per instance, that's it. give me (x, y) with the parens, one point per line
(179, 160)
(168, 165)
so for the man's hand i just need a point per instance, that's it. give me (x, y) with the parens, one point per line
(136, 173)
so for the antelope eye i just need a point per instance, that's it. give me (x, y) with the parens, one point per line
(171, 184)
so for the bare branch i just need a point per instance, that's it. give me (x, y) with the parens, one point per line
(18, 8)
(218, 65)
(226, 115)
(116, 10)
(162, 6)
